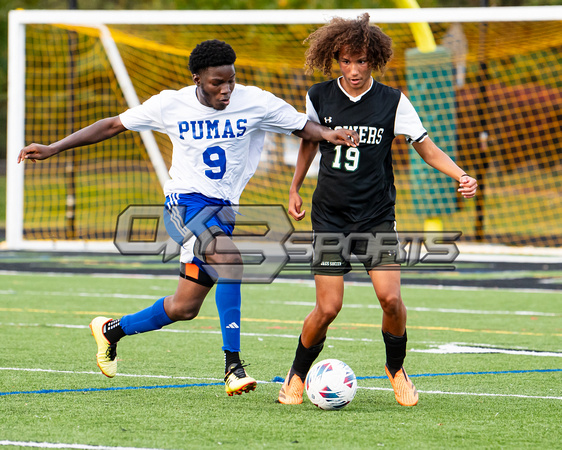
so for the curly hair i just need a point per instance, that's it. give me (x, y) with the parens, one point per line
(212, 53)
(357, 35)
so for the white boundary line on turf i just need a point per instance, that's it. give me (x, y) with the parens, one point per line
(168, 330)
(81, 294)
(435, 347)
(479, 288)
(290, 303)
(215, 332)
(91, 274)
(125, 375)
(434, 310)
(301, 282)
(307, 283)
(453, 348)
(77, 446)
(310, 283)
(477, 394)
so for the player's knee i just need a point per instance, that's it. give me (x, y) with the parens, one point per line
(186, 313)
(179, 310)
(391, 303)
(328, 313)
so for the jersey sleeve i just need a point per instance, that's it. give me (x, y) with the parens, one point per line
(311, 110)
(281, 117)
(408, 123)
(147, 116)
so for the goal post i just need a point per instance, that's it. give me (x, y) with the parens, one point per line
(15, 185)
(132, 100)
(124, 57)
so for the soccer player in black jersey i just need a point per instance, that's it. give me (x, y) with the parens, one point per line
(355, 190)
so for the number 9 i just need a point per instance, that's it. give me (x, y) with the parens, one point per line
(215, 158)
(352, 157)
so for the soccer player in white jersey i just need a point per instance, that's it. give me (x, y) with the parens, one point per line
(217, 131)
(355, 190)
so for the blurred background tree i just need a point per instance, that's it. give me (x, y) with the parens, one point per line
(8, 5)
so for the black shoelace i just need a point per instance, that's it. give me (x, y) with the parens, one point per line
(111, 352)
(238, 370)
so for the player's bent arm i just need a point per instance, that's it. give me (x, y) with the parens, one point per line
(313, 131)
(439, 160)
(99, 131)
(307, 152)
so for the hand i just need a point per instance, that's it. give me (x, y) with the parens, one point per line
(34, 152)
(468, 186)
(342, 136)
(295, 204)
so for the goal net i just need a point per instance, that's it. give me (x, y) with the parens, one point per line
(489, 94)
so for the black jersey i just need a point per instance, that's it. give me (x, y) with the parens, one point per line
(355, 189)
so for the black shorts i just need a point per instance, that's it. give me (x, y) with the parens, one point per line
(332, 251)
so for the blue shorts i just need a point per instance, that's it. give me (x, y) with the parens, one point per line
(201, 216)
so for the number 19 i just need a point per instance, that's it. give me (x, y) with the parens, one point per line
(351, 159)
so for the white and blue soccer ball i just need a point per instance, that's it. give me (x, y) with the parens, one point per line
(330, 384)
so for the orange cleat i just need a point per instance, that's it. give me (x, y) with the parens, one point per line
(291, 391)
(404, 390)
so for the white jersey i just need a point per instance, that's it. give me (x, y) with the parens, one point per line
(215, 152)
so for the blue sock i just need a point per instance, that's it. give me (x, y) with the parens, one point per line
(152, 318)
(229, 299)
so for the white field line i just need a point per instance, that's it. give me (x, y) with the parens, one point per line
(439, 310)
(170, 330)
(92, 274)
(79, 294)
(485, 347)
(483, 312)
(123, 375)
(450, 348)
(477, 394)
(77, 446)
(297, 282)
(310, 283)
(310, 304)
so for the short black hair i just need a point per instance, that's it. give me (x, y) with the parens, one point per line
(212, 53)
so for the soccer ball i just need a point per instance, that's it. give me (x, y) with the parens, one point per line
(330, 384)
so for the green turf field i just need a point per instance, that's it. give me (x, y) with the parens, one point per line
(169, 392)
(2, 200)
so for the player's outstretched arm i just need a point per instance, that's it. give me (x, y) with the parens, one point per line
(307, 152)
(315, 132)
(97, 132)
(439, 160)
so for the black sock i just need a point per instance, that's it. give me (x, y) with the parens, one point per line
(230, 358)
(113, 331)
(395, 351)
(304, 357)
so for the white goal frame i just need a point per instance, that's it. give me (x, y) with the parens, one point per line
(18, 20)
